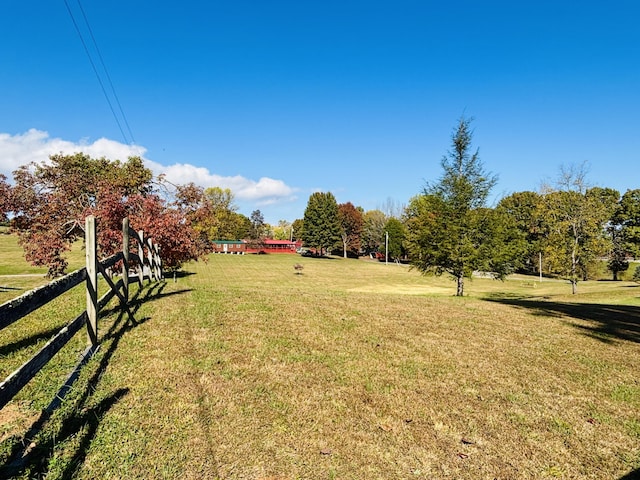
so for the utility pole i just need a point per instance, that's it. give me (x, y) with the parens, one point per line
(386, 248)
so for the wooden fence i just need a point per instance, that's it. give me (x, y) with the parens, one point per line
(147, 265)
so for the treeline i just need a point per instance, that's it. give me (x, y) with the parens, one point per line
(565, 230)
(47, 203)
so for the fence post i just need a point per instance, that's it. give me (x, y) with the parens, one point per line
(141, 256)
(150, 259)
(156, 253)
(91, 258)
(125, 260)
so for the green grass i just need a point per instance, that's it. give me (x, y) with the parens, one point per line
(350, 370)
(17, 276)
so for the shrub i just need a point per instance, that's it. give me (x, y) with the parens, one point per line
(636, 274)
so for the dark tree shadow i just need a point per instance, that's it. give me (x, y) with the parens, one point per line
(635, 475)
(32, 453)
(608, 322)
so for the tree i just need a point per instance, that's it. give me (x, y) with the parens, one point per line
(282, 231)
(629, 220)
(52, 199)
(373, 230)
(297, 228)
(258, 226)
(321, 225)
(522, 210)
(5, 199)
(574, 221)
(396, 232)
(447, 226)
(350, 220)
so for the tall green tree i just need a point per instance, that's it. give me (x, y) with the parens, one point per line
(258, 226)
(629, 220)
(297, 227)
(373, 230)
(394, 244)
(321, 224)
(350, 219)
(448, 227)
(522, 211)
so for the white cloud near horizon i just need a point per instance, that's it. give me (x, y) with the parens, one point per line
(36, 146)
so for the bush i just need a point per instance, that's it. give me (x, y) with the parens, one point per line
(636, 274)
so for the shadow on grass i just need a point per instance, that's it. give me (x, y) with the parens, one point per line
(27, 342)
(635, 475)
(32, 454)
(608, 322)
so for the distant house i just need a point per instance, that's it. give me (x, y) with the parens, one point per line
(238, 247)
(241, 247)
(272, 246)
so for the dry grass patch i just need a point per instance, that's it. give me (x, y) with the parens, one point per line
(353, 370)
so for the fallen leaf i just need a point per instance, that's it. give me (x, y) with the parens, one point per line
(463, 455)
(325, 451)
(386, 427)
(466, 441)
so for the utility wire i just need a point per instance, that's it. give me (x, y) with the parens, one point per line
(104, 67)
(95, 71)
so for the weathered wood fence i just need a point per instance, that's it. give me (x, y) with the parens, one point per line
(148, 265)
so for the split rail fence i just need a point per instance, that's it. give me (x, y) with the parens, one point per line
(148, 265)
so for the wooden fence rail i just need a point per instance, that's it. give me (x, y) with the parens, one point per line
(147, 266)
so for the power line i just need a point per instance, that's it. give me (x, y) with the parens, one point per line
(97, 74)
(104, 67)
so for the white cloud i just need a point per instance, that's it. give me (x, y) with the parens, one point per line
(36, 146)
(264, 191)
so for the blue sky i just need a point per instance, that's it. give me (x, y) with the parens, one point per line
(278, 99)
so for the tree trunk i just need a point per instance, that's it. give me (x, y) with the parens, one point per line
(344, 249)
(615, 275)
(574, 286)
(460, 286)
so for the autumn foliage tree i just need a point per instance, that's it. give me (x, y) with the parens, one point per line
(350, 219)
(50, 201)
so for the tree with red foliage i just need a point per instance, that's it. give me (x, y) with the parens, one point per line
(52, 199)
(351, 221)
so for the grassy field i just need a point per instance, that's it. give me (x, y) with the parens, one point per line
(243, 369)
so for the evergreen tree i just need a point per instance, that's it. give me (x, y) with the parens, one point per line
(448, 227)
(321, 224)
(396, 232)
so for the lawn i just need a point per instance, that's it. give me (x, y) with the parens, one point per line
(245, 369)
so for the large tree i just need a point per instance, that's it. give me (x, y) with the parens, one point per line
(522, 210)
(373, 230)
(52, 199)
(575, 219)
(448, 227)
(395, 241)
(321, 224)
(628, 217)
(350, 219)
